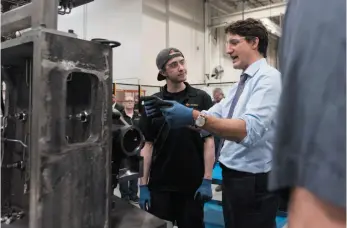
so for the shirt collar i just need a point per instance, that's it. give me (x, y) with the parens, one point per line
(189, 89)
(254, 67)
(125, 114)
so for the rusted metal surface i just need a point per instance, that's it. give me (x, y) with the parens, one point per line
(74, 178)
(69, 182)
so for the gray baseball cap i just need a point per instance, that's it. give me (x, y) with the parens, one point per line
(163, 57)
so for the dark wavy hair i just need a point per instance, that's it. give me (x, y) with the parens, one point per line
(251, 28)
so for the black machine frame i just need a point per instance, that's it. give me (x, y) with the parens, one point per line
(60, 171)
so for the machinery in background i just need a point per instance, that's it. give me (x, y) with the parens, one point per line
(7, 5)
(20, 15)
(128, 139)
(14, 152)
(65, 6)
(56, 132)
(56, 126)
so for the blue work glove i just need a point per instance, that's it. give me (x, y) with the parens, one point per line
(153, 104)
(204, 192)
(177, 115)
(145, 198)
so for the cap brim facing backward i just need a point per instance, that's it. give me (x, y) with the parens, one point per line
(160, 77)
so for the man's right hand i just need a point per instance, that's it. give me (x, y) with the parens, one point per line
(145, 198)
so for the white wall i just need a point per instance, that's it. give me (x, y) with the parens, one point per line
(219, 57)
(118, 20)
(153, 38)
(173, 23)
(143, 27)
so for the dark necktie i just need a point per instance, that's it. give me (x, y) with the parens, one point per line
(238, 93)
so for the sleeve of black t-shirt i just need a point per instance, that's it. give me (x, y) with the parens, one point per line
(206, 105)
(207, 101)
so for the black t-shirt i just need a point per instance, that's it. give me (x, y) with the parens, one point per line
(134, 120)
(178, 162)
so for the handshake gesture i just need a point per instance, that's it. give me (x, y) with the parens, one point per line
(175, 114)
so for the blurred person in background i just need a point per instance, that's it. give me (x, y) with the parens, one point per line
(218, 95)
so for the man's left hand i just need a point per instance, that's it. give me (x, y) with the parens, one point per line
(177, 115)
(204, 192)
(152, 105)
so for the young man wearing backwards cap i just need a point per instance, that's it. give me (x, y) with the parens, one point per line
(178, 163)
